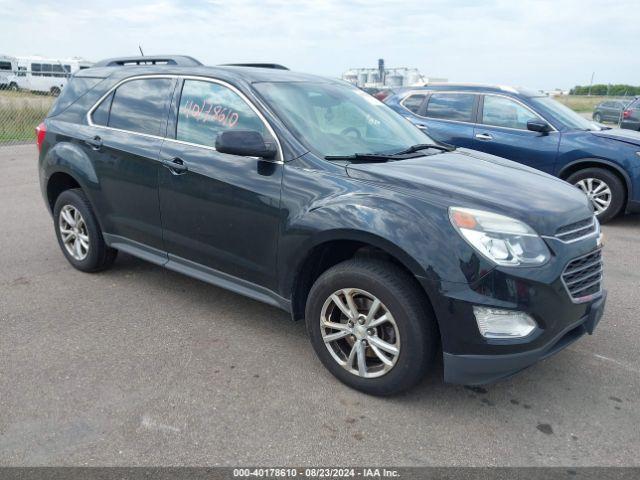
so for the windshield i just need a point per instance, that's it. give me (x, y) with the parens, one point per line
(338, 120)
(563, 114)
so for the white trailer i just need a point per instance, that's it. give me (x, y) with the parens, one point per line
(45, 75)
(8, 65)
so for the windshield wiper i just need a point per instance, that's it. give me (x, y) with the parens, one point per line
(368, 157)
(381, 157)
(424, 146)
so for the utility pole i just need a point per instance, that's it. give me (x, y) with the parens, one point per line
(141, 52)
(591, 83)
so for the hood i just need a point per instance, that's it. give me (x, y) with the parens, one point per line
(473, 179)
(628, 136)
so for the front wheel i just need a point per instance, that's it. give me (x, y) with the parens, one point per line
(597, 117)
(604, 190)
(371, 327)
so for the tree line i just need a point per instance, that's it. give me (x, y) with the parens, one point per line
(618, 90)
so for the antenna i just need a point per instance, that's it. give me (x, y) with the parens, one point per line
(140, 48)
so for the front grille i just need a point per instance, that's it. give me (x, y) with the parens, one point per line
(583, 276)
(577, 230)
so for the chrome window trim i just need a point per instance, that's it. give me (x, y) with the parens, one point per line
(280, 156)
(426, 92)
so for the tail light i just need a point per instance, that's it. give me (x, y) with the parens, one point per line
(627, 113)
(41, 132)
(382, 95)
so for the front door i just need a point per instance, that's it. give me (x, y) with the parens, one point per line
(502, 130)
(219, 211)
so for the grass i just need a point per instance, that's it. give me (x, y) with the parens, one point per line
(584, 103)
(20, 114)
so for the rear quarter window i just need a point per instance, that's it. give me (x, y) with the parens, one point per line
(75, 89)
(413, 102)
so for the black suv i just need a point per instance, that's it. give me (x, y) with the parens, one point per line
(310, 195)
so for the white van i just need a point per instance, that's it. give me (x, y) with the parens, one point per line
(46, 75)
(7, 66)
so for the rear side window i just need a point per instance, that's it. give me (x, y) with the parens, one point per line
(451, 106)
(413, 102)
(5, 66)
(207, 109)
(140, 105)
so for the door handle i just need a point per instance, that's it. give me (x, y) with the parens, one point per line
(95, 142)
(484, 136)
(176, 165)
(423, 127)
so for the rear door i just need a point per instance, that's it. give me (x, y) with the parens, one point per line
(449, 117)
(127, 128)
(219, 211)
(502, 131)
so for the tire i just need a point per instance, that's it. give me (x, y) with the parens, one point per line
(55, 91)
(597, 117)
(97, 255)
(617, 190)
(13, 87)
(413, 328)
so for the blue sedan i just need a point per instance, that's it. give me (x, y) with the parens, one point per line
(535, 130)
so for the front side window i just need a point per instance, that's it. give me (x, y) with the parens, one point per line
(140, 105)
(451, 106)
(413, 102)
(337, 120)
(208, 109)
(503, 112)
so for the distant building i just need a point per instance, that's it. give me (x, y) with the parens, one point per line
(387, 77)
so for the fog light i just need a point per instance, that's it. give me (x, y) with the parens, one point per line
(497, 323)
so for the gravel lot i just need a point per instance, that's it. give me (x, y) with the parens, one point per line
(142, 366)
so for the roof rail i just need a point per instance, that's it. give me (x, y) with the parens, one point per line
(275, 66)
(181, 60)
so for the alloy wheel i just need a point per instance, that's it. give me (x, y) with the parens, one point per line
(597, 191)
(360, 333)
(73, 231)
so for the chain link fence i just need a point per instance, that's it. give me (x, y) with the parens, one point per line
(26, 95)
(20, 114)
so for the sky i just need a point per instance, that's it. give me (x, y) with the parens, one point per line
(537, 44)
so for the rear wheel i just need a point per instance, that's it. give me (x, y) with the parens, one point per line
(597, 117)
(13, 87)
(78, 233)
(604, 190)
(370, 326)
(55, 91)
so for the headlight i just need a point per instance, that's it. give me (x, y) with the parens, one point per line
(503, 240)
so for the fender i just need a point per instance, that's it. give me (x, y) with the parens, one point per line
(414, 236)
(70, 159)
(602, 161)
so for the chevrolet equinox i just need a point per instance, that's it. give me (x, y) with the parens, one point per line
(310, 195)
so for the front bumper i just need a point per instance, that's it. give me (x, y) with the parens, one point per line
(540, 292)
(482, 369)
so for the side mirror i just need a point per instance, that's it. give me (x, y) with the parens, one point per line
(245, 143)
(536, 125)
